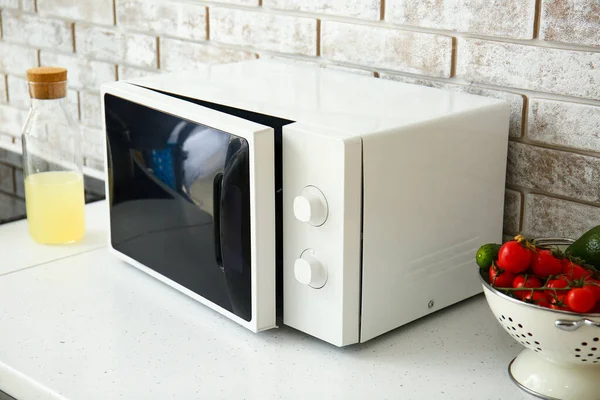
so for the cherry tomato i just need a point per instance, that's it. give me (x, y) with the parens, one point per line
(538, 298)
(500, 277)
(581, 300)
(574, 271)
(545, 264)
(558, 283)
(525, 281)
(596, 309)
(594, 285)
(580, 272)
(514, 258)
(557, 302)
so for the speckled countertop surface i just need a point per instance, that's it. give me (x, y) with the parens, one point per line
(18, 251)
(90, 327)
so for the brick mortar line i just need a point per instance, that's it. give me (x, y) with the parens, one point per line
(537, 20)
(207, 22)
(461, 82)
(521, 206)
(13, 194)
(454, 80)
(27, 46)
(157, 55)
(52, 17)
(357, 21)
(145, 69)
(527, 92)
(6, 88)
(119, 29)
(531, 191)
(524, 116)
(73, 37)
(527, 141)
(453, 58)
(318, 45)
(79, 106)
(13, 107)
(413, 28)
(322, 62)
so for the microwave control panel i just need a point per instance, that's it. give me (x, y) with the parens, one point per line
(322, 187)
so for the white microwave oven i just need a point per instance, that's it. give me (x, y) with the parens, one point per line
(346, 204)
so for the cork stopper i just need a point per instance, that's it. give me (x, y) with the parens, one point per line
(47, 82)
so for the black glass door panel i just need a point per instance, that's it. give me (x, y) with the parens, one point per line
(180, 201)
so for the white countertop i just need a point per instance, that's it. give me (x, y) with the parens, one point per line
(19, 251)
(88, 326)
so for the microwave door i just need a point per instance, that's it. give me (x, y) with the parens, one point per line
(193, 200)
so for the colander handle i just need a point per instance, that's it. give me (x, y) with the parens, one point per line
(570, 326)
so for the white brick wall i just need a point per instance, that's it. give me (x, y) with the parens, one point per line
(89, 103)
(173, 18)
(18, 92)
(16, 59)
(96, 11)
(112, 45)
(509, 18)
(3, 89)
(418, 53)
(82, 72)
(93, 144)
(11, 119)
(28, 5)
(571, 21)
(284, 34)
(9, 3)
(570, 72)
(126, 72)
(366, 9)
(565, 124)
(544, 61)
(180, 55)
(34, 31)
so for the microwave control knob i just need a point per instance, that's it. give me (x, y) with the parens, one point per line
(311, 206)
(308, 270)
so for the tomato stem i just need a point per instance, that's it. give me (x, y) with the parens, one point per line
(532, 289)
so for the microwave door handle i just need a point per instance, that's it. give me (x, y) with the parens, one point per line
(217, 190)
(234, 227)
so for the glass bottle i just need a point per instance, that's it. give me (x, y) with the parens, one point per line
(52, 160)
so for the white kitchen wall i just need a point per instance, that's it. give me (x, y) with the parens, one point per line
(542, 56)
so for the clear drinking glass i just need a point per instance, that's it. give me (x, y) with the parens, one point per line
(53, 169)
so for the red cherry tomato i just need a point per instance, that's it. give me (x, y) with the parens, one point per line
(581, 300)
(594, 285)
(514, 258)
(560, 282)
(580, 272)
(557, 302)
(596, 309)
(500, 277)
(574, 271)
(538, 298)
(545, 264)
(524, 281)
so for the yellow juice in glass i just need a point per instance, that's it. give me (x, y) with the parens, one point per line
(55, 206)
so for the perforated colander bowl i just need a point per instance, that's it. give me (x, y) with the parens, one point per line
(561, 359)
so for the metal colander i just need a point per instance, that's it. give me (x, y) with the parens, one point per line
(561, 359)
